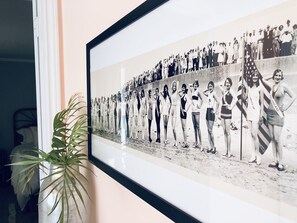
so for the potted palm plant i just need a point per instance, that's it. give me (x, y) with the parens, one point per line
(61, 165)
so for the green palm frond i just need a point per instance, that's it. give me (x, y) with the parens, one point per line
(69, 138)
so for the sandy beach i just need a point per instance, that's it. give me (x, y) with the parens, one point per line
(261, 179)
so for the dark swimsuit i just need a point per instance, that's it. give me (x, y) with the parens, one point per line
(226, 113)
(183, 102)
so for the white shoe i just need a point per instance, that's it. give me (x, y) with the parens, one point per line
(258, 160)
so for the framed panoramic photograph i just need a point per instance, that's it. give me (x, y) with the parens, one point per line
(192, 107)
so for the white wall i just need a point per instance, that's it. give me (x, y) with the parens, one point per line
(81, 21)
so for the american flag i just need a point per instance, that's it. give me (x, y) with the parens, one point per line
(248, 69)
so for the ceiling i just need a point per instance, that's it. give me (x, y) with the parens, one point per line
(16, 30)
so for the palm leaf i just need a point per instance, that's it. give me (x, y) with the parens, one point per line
(69, 138)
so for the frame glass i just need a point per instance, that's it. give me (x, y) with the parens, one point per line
(196, 180)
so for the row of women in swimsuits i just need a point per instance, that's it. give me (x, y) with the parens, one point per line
(139, 109)
(228, 102)
(145, 107)
(254, 98)
(170, 106)
(105, 114)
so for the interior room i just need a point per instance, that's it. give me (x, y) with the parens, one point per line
(17, 68)
(53, 50)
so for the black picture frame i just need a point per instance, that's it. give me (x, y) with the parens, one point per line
(180, 213)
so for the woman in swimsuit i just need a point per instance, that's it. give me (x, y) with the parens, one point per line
(196, 105)
(173, 110)
(275, 115)
(150, 113)
(143, 110)
(212, 101)
(166, 106)
(227, 104)
(254, 113)
(184, 107)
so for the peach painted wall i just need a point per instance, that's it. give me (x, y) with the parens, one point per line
(80, 21)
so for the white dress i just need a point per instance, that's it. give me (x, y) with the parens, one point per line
(165, 105)
(253, 108)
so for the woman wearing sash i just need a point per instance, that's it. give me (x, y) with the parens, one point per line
(275, 115)
(196, 105)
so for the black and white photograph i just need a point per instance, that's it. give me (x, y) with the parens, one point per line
(217, 106)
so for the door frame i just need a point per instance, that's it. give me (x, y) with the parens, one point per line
(47, 68)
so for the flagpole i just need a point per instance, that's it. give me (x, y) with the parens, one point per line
(241, 101)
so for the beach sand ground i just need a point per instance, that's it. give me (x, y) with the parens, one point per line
(261, 179)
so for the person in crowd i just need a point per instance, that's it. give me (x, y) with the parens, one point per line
(267, 47)
(190, 61)
(286, 43)
(260, 45)
(254, 111)
(178, 65)
(165, 68)
(174, 109)
(288, 26)
(158, 114)
(221, 54)
(185, 103)
(183, 64)
(254, 45)
(195, 59)
(276, 40)
(150, 113)
(166, 106)
(200, 63)
(235, 50)
(294, 40)
(227, 104)
(196, 106)
(240, 49)
(143, 112)
(275, 115)
(210, 55)
(249, 43)
(229, 53)
(204, 57)
(212, 106)
(171, 67)
(215, 53)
